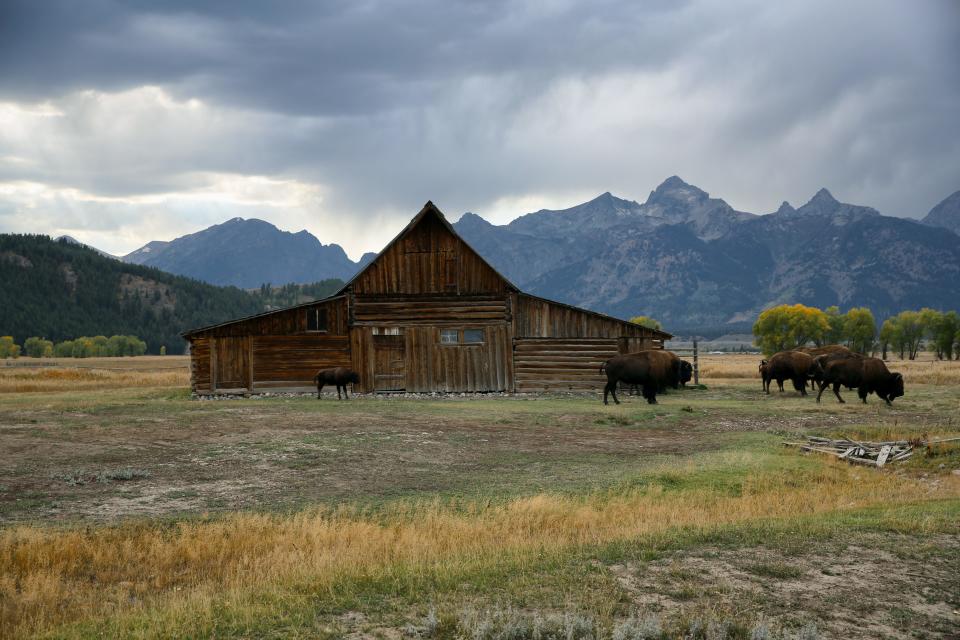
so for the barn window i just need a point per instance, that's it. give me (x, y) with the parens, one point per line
(473, 336)
(316, 319)
(449, 336)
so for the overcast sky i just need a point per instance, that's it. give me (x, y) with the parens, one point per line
(124, 122)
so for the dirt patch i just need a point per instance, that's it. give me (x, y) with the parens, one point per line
(880, 586)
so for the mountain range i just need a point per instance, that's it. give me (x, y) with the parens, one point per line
(681, 256)
(248, 253)
(693, 261)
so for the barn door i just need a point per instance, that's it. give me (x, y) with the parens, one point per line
(232, 357)
(389, 363)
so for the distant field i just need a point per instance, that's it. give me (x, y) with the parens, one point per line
(25, 375)
(127, 509)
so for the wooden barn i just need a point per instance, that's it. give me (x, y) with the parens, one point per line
(427, 314)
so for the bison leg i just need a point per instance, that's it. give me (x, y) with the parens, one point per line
(319, 389)
(800, 384)
(338, 393)
(611, 388)
(863, 393)
(345, 394)
(780, 384)
(836, 392)
(650, 393)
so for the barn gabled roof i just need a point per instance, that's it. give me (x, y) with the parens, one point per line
(428, 209)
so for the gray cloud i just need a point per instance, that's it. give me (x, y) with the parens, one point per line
(484, 106)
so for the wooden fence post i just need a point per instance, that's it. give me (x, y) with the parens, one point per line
(696, 363)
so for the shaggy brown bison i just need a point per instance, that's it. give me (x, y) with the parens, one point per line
(866, 375)
(686, 371)
(826, 354)
(651, 370)
(795, 366)
(340, 376)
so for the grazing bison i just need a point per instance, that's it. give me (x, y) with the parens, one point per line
(795, 366)
(686, 371)
(340, 376)
(866, 375)
(648, 369)
(827, 354)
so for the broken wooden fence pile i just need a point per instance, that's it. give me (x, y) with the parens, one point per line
(870, 453)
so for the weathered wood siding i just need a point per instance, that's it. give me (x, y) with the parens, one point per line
(200, 365)
(537, 318)
(432, 366)
(290, 362)
(561, 364)
(428, 259)
(427, 365)
(273, 351)
(428, 310)
(284, 322)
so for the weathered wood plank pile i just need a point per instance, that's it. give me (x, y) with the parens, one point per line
(875, 454)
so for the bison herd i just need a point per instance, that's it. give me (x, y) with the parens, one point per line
(832, 366)
(653, 371)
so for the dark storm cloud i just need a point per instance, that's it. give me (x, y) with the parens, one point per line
(317, 58)
(488, 106)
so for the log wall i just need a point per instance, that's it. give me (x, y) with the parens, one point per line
(538, 318)
(290, 362)
(200, 365)
(561, 364)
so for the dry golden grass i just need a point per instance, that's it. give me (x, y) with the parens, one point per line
(925, 370)
(55, 379)
(173, 574)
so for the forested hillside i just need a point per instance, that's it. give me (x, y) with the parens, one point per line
(58, 290)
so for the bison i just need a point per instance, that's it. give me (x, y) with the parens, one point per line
(686, 371)
(827, 353)
(866, 375)
(340, 376)
(651, 370)
(795, 366)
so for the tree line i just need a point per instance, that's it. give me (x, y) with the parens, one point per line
(59, 290)
(82, 347)
(789, 326)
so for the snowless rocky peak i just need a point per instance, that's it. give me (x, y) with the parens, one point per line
(785, 209)
(675, 190)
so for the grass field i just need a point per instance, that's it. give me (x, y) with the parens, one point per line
(130, 510)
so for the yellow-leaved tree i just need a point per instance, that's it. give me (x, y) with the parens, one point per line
(646, 321)
(789, 326)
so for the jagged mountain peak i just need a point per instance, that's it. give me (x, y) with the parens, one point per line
(676, 189)
(946, 214)
(823, 196)
(785, 209)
